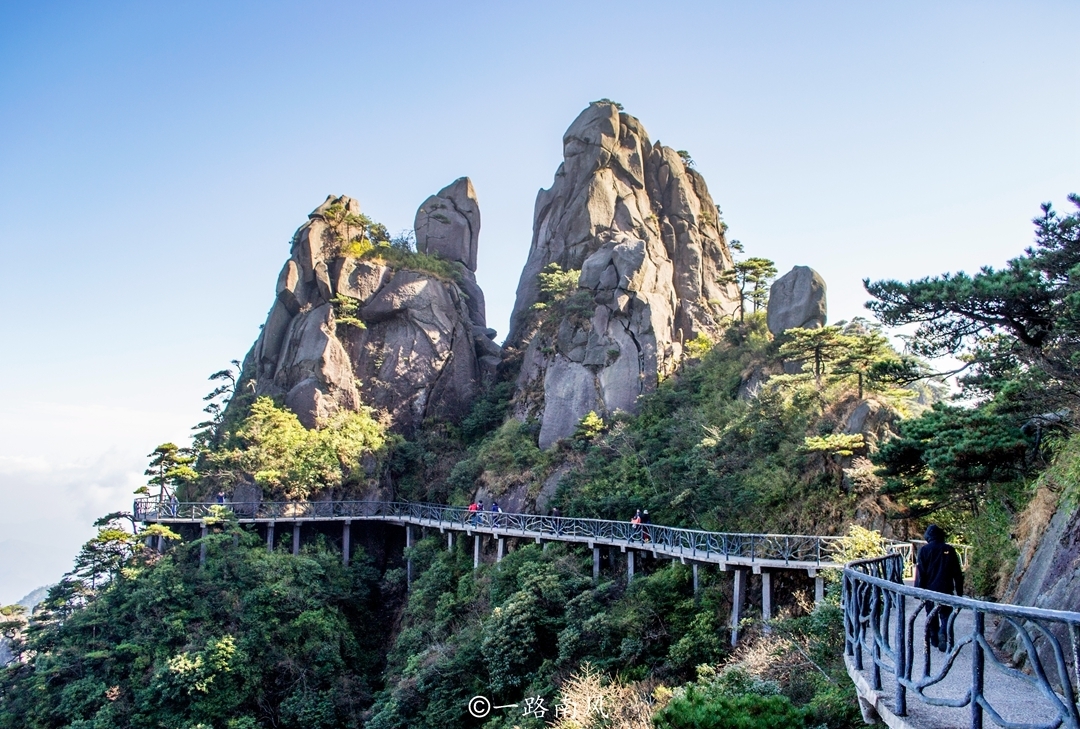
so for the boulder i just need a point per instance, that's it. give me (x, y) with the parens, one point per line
(288, 285)
(797, 301)
(448, 223)
(875, 420)
(359, 279)
(644, 233)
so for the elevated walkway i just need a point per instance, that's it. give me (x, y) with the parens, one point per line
(740, 554)
(1029, 682)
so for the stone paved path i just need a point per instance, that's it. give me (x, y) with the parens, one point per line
(1013, 698)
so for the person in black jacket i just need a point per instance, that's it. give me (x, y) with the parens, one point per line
(938, 568)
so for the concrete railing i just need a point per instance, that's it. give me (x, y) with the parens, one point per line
(884, 636)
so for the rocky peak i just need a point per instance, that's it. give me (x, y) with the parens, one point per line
(351, 329)
(448, 223)
(638, 223)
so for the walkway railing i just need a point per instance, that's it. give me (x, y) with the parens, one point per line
(880, 629)
(702, 545)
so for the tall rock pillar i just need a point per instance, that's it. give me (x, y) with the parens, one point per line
(639, 225)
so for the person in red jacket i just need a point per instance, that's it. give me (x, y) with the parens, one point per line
(938, 568)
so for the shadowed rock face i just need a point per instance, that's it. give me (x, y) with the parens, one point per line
(1047, 572)
(419, 353)
(645, 234)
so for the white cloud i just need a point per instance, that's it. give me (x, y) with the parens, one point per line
(50, 494)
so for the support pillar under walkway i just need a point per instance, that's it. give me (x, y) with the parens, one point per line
(738, 599)
(408, 560)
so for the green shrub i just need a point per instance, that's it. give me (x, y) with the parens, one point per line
(400, 258)
(698, 709)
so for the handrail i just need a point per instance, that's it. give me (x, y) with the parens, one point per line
(691, 543)
(876, 620)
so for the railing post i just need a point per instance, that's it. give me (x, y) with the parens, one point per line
(902, 669)
(875, 629)
(845, 599)
(856, 620)
(978, 666)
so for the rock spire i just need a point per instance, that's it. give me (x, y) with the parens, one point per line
(638, 223)
(350, 329)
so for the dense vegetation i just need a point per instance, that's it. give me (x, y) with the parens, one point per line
(251, 639)
(737, 439)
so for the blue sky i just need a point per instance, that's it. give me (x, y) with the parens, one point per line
(155, 159)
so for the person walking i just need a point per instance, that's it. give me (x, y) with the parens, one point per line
(472, 513)
(495, 511)
(645, 521)
(635, 530)
(938, 568)
(556, 524)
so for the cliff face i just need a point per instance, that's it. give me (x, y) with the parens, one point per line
(639, 224)
(347, 330)
(1047, 573)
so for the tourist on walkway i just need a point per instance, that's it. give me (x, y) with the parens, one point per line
(645, 521)
(635, 530)
(221, 497)
(938, 568)
(495, 510)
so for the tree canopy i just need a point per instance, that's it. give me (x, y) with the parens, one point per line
(1018, 325)
(272, 448)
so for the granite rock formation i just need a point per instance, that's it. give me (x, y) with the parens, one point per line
(347, 331)
(1047, 572)
(448, 225)
(638, 223)
(797, 301)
